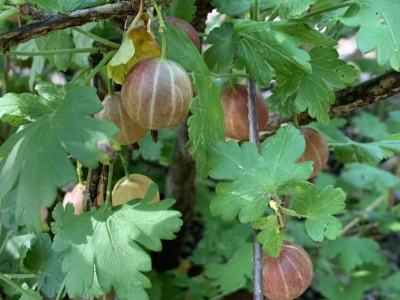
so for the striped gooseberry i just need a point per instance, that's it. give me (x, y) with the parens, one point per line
(136, 187)
(156, 93)
(234, 104)
(113, 111)
(316, 150)
(287, 276)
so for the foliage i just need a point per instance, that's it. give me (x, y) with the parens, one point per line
(346, 217)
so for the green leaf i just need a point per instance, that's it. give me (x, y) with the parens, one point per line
(115, 235)
(7, 211)
(378, 29)
(293, 8)
(199, 288)
(41, 146)
(394, 121)
(270, 237)
(306, 34)
(205, 124)
(82, 41)
(253, 177)
(353, 252)
(313, 91)
(370, 126)
(220, 55)
(19, 109)
(63, 6)
(58, 40)
(220, 241)
(336, 290)
(231, 7)
(261, 49)
(318, 209)
(363, 176)
(41, 259)
(232, 275)
(182, 9)
(366, 152)
(61, 215)
(37, 61)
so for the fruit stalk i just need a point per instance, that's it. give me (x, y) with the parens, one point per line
(161, 30)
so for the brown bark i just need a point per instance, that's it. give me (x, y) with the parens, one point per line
(53, 22)
(349, 99)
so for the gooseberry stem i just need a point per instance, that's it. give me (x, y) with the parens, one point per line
(79, 172)
(110, 87)
(295, 120)
(161, 30)
(125, 164)
(109, 185)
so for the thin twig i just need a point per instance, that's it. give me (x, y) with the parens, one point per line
(253, 138)
(71, 19)
(354, 222)
(349, 99)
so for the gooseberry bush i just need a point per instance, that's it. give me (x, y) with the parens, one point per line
(191, 149)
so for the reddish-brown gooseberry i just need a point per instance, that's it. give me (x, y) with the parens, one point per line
(316, 150)
(287, 276)
(234, 104)
(190, 31)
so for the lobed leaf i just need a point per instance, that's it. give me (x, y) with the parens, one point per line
(233, 274)
(270, 236)
(352, 252)
(261, 49)
(109, 239)
(314, 91)
(378, 29)
(42, 146)
(252, 177)
(366, 152)
(41, 259)
(318, 208)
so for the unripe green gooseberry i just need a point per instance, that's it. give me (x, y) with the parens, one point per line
(287, 276)
(136, 187)
(156, 93)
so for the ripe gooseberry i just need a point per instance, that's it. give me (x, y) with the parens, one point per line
(136, 187)
(316, 150)
(234, 104)
(189, 29)
(75, 197)
(113, 111)
(156, 93)
(287, 276)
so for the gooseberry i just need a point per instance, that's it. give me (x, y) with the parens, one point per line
(136, 187)
(316, 150)
(156, 93)
(287, 276)
(234, 104)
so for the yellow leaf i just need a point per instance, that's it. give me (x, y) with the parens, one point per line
(140, 37)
